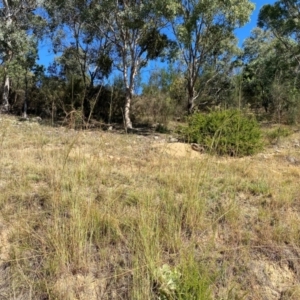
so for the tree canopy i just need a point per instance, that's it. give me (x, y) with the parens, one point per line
(97, 43)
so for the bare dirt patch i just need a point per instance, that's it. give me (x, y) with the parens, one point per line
(177, 150)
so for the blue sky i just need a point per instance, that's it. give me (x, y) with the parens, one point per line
(243, 33)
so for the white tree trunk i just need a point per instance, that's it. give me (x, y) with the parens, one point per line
(129, 83)
(5, 96)
(128, 123)
(191, 97)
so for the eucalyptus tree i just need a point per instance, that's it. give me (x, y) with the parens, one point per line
(204, 31)
(134, 29)
(216, 81)
(81, 52)
(270, 72)
(259, 52)
(283, 19)
(18, 25)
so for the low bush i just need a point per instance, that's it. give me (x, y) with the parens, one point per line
(226, 132)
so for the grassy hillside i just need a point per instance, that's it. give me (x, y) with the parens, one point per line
(103, 215)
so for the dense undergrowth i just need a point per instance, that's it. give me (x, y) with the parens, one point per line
(93, 215)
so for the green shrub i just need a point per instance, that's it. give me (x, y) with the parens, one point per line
(224, 132)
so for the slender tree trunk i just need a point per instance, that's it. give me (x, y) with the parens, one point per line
(5, 97)
(26, 98)
(5, 102)
(191, 98)
(129, 83)
(128, 98)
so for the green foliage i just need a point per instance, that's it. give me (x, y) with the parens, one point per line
(224, 132)
(195, 281)
(104, 62)
(154, 42)
(162, 97)
(277, 70)
(277, 133)
(281, 17)
(151, 109)
(270, 76)
(258, 187)
(190, 283)
(167, 281)
(204, 35)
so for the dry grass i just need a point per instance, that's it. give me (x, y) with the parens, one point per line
(93, 215)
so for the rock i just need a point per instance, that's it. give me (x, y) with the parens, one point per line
(173, 140)
(292, 159)
(242, 196)
(197, 147)
(36, 119)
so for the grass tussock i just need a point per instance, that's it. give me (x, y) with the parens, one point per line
(93, 215)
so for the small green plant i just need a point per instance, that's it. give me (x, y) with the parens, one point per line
(190, 283)
(167, 281)
(196, 280)
(226, 132)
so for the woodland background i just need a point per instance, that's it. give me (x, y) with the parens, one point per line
(103, 47)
